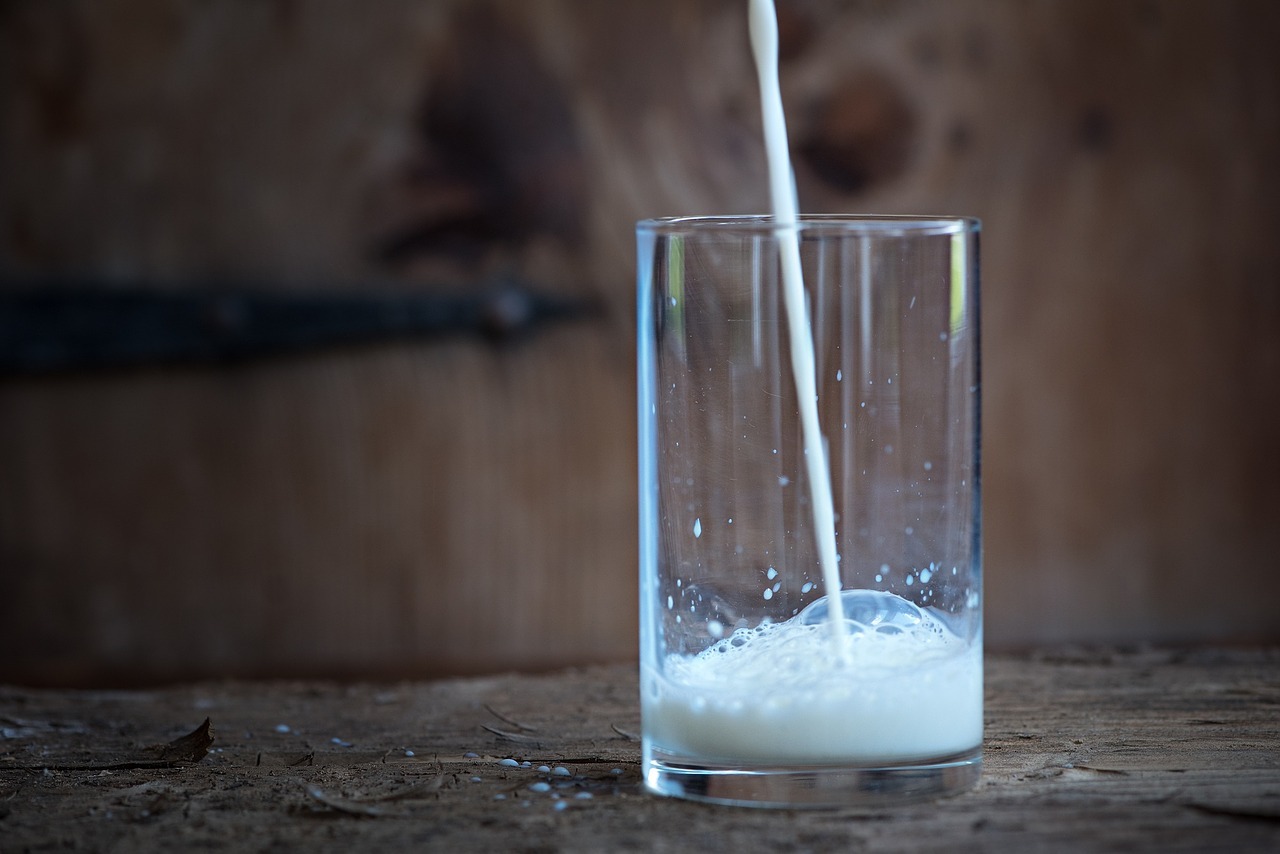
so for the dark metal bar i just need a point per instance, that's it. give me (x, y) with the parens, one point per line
(51, 329)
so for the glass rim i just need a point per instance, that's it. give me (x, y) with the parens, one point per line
(881, 224)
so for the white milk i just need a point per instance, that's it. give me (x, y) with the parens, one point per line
(864, 676)
(907, 689)
(764, 44)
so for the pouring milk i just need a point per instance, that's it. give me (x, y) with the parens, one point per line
(859, 675)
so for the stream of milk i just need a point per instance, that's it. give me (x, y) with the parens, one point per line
(764, 44)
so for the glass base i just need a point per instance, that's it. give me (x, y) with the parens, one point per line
(811, 786)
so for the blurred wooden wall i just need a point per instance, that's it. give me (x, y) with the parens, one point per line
(455, 505)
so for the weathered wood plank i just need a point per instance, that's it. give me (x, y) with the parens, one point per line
(1149, 750)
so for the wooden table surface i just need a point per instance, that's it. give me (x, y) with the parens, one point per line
(1086, 749)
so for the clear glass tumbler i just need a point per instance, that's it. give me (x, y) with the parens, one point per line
(757, 688)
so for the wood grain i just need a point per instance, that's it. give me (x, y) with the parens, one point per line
(452, 507)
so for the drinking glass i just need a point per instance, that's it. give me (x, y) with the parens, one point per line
(757, 688)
